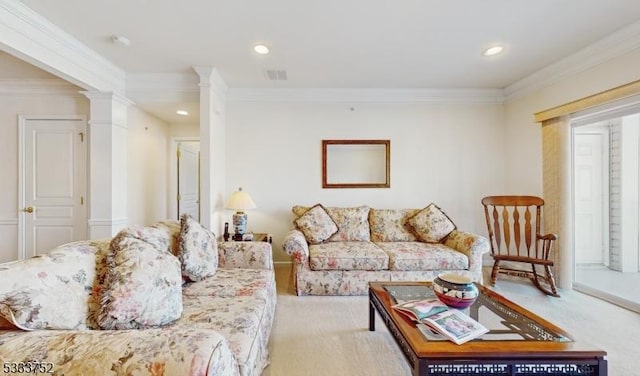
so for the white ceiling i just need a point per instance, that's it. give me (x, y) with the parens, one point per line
(433, 44)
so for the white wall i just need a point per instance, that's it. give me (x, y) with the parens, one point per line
(148, 168)
(449, 154)
(11, 105)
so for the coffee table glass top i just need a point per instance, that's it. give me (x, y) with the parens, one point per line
(503, 322)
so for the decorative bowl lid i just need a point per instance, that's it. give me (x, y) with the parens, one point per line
(455, 278)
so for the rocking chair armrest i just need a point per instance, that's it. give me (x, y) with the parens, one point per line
(548, 237)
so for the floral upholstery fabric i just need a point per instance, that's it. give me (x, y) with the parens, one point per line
(353, 223)
(55, 290)
(295, 245)
(168, 351)
(223, 330)
(391, 225)
(347, 256)
(198, 250)
(211, 303)
(346, 268)
(423, 256)
(229, 283)
(316, 225)
(473, 246)
(172, 229)
(252, 255)
(242, 320)
(431, 224)
(142, 287)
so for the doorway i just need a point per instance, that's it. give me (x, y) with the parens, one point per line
(52, 182)
(606, 193)
(186, 179)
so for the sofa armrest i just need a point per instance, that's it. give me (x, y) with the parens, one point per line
(249, 255)
(172, 350)
(295, 245)
(472, 245)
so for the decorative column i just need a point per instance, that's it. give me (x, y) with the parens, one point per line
(213, 92)
(107, 163)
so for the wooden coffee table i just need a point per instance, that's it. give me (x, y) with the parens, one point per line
(518, 343)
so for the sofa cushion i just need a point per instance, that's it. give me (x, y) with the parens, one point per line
(172, 230)
(347, 256)
(198, 249)
(352, 222)
(54, 290)
(431, 224)
(244, 321)
(231, 283)
(391, 225)
(423, 256)
(143, 284)
(316, 225)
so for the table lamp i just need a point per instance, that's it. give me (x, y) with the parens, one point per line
(239, 201)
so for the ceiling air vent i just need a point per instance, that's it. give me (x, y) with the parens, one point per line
(275, 74)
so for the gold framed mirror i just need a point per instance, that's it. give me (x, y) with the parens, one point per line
(356, 164)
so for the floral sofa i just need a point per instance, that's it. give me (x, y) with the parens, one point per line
(155, 300)
(337, 251)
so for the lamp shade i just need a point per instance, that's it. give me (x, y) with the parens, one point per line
(240, 201)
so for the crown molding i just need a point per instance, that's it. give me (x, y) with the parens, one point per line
(367, 95)
(31, 37)
(163, 87)
(38, 86)
(614, 45)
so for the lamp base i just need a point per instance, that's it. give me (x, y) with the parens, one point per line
(239, 220)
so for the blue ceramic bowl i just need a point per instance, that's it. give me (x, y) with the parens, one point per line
(455, 290)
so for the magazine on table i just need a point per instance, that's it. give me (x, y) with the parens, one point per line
(431, 315)
(417, 310)
(455, 325)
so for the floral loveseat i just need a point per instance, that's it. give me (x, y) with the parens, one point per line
(337, 251)
(120, 307)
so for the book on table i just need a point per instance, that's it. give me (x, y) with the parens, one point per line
(447, 322)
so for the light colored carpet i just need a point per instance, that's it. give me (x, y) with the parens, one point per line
(329, 335)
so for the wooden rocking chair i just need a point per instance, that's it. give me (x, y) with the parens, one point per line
(514, 233)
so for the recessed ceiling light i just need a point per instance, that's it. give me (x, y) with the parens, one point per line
(182, 112)
(261, 49)
(493, 50)
(121, 40)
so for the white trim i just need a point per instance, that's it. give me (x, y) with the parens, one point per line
(108, 222)
(31, 37)
(367, 95)
(616, 44)
(163, 87)
(38, 86)
(618, 108)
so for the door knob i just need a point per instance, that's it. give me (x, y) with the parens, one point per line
(28, 209)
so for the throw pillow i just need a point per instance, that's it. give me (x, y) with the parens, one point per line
(143, 284)
(197, 250)
(316, 225)
(431, 225)
(353, 223)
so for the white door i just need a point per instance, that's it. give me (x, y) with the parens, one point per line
(53, 183)
(590, 198)
(189, 179)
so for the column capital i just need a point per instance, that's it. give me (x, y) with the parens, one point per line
(209, 77)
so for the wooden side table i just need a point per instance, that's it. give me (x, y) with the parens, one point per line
(257, 237)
